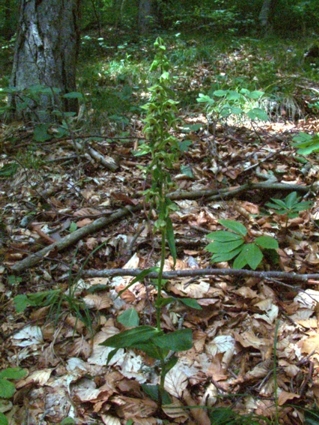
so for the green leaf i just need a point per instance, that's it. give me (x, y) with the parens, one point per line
(171, 239)
(151, 350)
(184, 145)
(291, 199)
(253, 255)
(68, 421)
(156, 393)
(41, 134)
(189, 302)
(129, 318)
(266, 242)
(3, 419)
(187, 171)
(131, 337)
(73, 95)
(73, 227)
(220, 93)
(224, 236)
(220, 247)
(176, 341)
(240, 261)
(161, 302)
(13, 373)
(226, 256)
(169, 365)
(140, 277)
(258, 114)
(7, 389)
(238, 228)
(9, 170)
(21, 302)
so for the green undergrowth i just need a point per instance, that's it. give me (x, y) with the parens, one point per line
(116, 77)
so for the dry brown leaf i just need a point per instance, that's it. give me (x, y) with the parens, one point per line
(285, 396)
(99, 302)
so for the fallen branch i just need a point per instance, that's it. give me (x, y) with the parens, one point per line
(294, 277)
(103, 221)
(72, 238)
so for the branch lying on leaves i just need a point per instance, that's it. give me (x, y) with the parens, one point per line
(102, 222)
(72, 238)
(294, 277)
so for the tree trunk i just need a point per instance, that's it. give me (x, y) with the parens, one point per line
(45, 54)
(145, 15)
(266, 13)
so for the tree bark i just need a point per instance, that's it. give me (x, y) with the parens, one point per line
(45, 54)
(145, 15)
(266, 13)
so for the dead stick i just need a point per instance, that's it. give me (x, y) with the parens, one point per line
(205, 272)
(71, 239)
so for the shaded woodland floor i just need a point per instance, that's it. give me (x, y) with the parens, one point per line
(256, 347)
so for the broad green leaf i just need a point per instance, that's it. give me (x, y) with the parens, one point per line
(169, 365)
(224, 236)
(41, 134)
(129, 318)
(266, 242)
(73, 95)
(7, 389)
(236, 110)
(291, 199)
(187, 171)
(3, 419)
(234, 226)
(171, 239)
(184, 145)
(161, 302)
(21, 302)
(258, 114)
(220, 247)
(220, 93)
(73, 227)
(303, 205)
(176, 341)
(240, 261)
(253, 255)
(190, 302)
(233, 95)
(226, 256)
(9, 170)
(130, 337)
(151, 350)
(68, 421)
(256, 94)
(13, 373)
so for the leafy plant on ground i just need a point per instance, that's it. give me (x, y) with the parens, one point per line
(290, 206)
(55, 299)
(236, 245)
(240, 104)
(306, 143)
(164, 150)
(7, 388)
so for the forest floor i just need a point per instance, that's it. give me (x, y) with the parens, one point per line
(74, 226)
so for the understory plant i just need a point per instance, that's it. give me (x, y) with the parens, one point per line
(289, 207)
(163, 149)
(7, 388)
(239, 104)
(237, 245)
